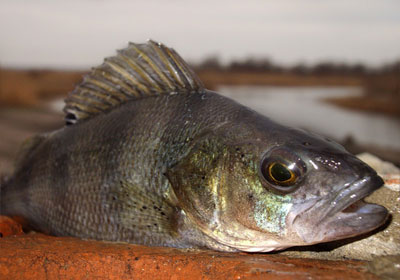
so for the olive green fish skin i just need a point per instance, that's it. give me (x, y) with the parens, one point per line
(111, 177)
(79, 180)
(153, 158)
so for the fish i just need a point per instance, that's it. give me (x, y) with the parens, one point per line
(149, 156)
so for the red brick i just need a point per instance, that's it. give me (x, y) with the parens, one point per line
(37, 256)
(9, 226)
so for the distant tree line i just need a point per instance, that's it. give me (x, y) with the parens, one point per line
(323, 68)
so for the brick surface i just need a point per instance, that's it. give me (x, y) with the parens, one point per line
(9, 227)
(38, 256)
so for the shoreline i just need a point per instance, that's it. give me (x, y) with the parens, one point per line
(26, 88)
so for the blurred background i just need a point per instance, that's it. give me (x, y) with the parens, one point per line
(332, 66)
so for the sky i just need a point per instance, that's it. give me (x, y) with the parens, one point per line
(79, 34)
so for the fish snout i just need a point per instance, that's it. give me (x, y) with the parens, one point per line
(342, 214)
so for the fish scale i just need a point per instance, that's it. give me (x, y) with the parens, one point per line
(89, 184)
(149, 156)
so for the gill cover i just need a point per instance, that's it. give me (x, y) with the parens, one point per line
(218, 186)
(196, 180)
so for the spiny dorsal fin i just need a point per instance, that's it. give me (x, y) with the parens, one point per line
(136, 71)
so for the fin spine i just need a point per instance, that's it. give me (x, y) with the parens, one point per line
(137, 71)
(153, 66)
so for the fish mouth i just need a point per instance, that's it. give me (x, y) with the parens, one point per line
(343, 214)
(349, 200)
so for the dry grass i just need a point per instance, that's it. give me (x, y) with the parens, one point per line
(375, 104)
(382, 95)
(213, 79)
(27, 88)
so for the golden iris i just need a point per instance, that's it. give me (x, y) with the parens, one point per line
(281, 174)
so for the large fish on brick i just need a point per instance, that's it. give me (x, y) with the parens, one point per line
(149, 156)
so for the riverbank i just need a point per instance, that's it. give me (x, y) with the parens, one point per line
(27, 88)
(373, 104)
(212, 79)
(24, 88)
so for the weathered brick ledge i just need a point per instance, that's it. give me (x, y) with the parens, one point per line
(37, 256)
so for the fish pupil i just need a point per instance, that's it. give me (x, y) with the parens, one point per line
(280, 172)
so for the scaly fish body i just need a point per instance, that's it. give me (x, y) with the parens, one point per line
(153, 158)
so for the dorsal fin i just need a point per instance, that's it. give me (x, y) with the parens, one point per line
(136, 71)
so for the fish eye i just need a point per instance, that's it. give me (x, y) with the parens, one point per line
(280, 174)
(282, 170)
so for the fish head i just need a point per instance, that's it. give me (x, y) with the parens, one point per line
(327, 194)
(279, 189)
